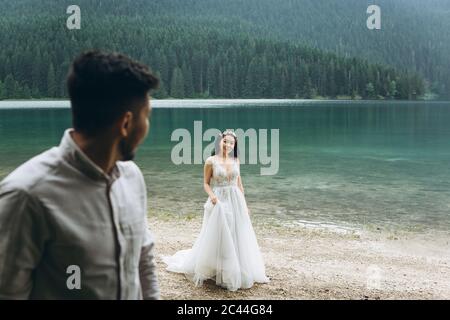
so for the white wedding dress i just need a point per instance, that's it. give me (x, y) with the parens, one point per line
(226, 249)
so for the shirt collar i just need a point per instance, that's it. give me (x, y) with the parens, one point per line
(76, 157)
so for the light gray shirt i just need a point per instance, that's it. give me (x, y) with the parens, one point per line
(60, 214)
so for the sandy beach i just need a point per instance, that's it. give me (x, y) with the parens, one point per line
(317, 263)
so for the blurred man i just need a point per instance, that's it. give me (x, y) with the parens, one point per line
(73, 219)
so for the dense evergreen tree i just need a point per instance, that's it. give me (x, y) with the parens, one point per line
(51, 81)
(370, 90)
(162, 92)
(187, 81)
(2, 91)
(10, 86)
(392, 91)
(177, 84)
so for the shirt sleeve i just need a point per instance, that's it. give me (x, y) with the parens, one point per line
(22, 238)
(147, 268)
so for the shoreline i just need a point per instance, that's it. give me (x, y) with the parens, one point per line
(316, 263)
(320, 99)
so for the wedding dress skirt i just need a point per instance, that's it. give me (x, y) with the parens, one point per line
(226, 249)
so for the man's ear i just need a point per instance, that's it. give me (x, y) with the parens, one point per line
(126, 123)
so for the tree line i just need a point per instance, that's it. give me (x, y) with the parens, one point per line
(193, 58)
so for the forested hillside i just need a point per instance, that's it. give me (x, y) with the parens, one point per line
(204, 48)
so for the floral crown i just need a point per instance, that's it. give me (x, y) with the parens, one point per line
(229, 131)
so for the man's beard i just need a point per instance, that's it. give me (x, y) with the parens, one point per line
(126, 150)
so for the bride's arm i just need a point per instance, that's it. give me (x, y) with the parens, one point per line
(239, 180)
(240, 184)
(207, 174)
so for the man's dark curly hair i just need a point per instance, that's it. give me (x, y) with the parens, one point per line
(103, 86)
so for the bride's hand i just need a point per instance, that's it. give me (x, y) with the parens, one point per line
(248, 210)
(214, 199)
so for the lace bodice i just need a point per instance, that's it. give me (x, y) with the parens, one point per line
(220, 176)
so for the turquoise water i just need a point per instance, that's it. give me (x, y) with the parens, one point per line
(378, 164)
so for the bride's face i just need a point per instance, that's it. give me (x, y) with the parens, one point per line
(227, 144)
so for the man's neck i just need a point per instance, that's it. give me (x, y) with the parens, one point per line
(100, 150)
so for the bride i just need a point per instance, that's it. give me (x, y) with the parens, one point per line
(226, 249)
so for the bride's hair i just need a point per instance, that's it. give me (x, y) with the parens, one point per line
(219, 138)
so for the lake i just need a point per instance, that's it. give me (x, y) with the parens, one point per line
(359, 164)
